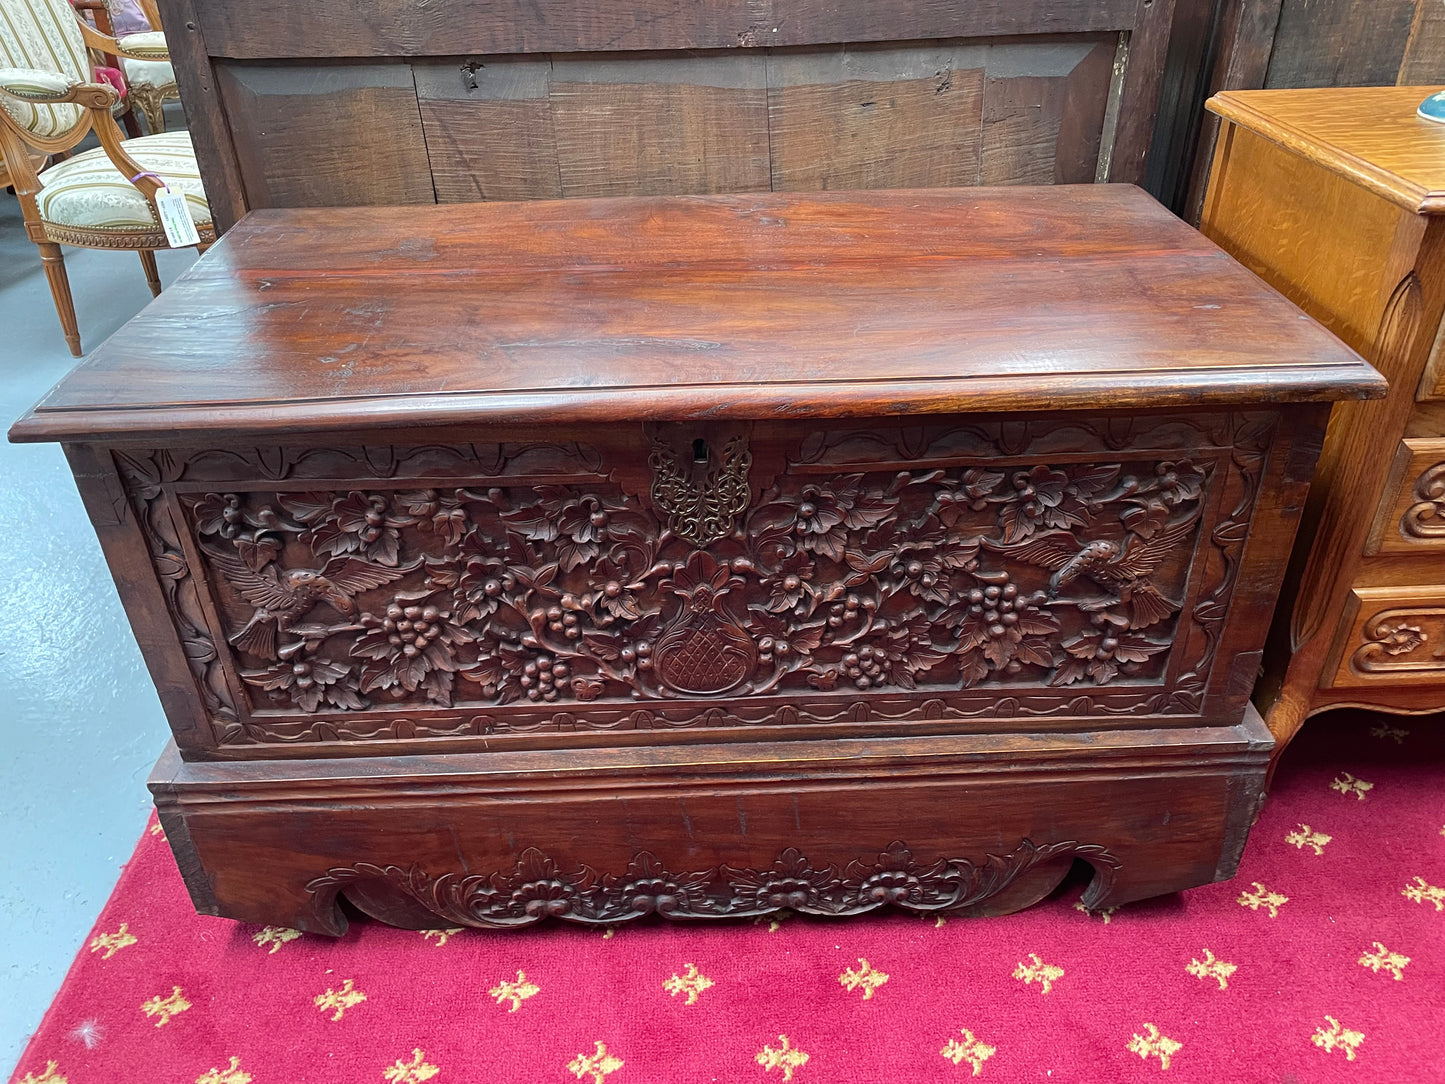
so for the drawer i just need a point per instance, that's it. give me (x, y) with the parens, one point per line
(1396, 636)
(1411, 517)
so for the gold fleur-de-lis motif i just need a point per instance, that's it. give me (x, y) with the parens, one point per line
(1304, 836)
(1106, 913)
(1385, 730)
(1262, 897)
(157, 830)
(338, 1001)
(939, 922)
(1382, 959)
(411, 1072)
(786, 1057)
(690, 983)
(970, 1050)
(609, 933)
(1212, 968)
(1154, 1045)
(515, 992)
(1038, 971)
(275, 936)
(598, 1064)
(442, 936)
(166, 1007)
(49, 1075)
(1421, 892)
(775, 920)
(232, 1074)
(112, 942)
(1337, 1036)
(1347, 784)
(865, 977)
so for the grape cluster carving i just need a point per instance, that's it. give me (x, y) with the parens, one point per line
(1040, 575)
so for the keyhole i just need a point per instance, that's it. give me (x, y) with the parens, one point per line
(699, 450)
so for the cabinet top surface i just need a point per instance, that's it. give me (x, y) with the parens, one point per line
(1370, 134)
(747, 306)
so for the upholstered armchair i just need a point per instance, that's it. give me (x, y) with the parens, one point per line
(149, 76)
(102, 198)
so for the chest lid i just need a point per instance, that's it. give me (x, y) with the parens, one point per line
(761, 305)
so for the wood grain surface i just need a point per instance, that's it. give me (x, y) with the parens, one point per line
(1370, 135)
(741, 306)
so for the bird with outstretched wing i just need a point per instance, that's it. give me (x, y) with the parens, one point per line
(282, 597)
(1122, 568)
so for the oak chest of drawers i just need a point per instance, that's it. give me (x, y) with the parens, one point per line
(703, 556)
(1336, 197)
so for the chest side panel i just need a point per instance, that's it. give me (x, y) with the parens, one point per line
(667, 583)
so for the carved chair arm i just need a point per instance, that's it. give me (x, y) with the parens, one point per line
(143, 46)
(36, 87)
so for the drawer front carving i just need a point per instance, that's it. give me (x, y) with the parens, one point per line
(1398, 637)
(763, 579)
(1413, 514)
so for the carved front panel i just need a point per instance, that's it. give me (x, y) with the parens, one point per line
(765, 577)
(1397, 638)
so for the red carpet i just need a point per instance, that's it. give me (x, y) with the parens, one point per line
(1324, 960)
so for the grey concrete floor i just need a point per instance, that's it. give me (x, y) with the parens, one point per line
(80, 725)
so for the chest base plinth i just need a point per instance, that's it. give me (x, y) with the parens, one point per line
(971, 825)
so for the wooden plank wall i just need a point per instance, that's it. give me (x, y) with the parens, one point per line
(547, 126)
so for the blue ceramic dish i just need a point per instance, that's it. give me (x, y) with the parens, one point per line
(1433, 108)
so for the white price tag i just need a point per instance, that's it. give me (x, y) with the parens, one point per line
(176, 220)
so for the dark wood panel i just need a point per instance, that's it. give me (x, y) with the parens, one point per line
(846, 117)
(488, 128)
(1129, 128)
(327, 135)
(1244, 39)
(267, 29)
(1340, 43)
(205, 114)
(660, 126)
(1044, 127)
(875, 118)
(1424, 59)
(504, 152)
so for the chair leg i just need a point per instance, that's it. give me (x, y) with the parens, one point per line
(54, 262)
(153, 276)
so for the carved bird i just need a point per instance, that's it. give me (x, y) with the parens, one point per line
(282, 597)
(1123, 568)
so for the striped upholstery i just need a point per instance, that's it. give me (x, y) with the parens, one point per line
(43, 35)
(151, 45)
(87, 192)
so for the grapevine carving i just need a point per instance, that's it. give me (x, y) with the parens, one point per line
(423, 609)
(1045, 575)
(538, 888)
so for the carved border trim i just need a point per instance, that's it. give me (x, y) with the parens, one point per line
(537, 888)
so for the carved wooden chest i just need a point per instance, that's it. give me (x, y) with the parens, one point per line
(703, 556)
